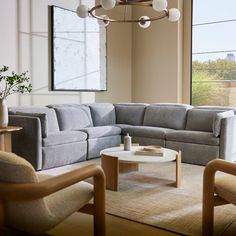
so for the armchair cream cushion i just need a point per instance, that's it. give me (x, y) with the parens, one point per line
(40, 215)
(225, 187)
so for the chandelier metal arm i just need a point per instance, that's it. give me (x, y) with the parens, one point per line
(160, 7)
(164, 13)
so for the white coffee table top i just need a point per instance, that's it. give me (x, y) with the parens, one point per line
(129, 156)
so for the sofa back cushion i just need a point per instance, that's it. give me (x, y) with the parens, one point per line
(103, 114)
(130, 113)
(171, 116)
(201, 119)
(51, 118)
(73, 117)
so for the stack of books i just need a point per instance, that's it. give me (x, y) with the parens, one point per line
(151, 151)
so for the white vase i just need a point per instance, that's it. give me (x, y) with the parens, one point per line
(3, 113)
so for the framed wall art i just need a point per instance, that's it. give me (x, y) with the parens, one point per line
(78, 52)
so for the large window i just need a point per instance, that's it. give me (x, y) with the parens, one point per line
(214, 52)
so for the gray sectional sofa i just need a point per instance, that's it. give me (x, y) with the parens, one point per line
(62, 134)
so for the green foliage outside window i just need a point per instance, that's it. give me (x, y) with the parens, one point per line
(210, 82)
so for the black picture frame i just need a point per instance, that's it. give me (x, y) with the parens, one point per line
(78, 52)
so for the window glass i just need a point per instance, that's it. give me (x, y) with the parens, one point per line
(214, 52)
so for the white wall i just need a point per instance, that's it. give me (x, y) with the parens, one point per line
(24, 46)
(157, 59)
(144, 65)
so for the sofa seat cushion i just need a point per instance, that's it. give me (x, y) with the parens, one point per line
(197, 137)
(225, 187)
(147, 131)
(64, 137)
(101, 131)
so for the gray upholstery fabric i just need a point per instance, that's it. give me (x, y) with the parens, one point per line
(198, 154)
(101, 131)
(64, 154)
(64, 137)
(218, 108)
(148, 141)
(169, 104)
(43, 120)
(197, 137)
(97, 144)
(28, 141)
(130, 114)
(166, 116)
(145, 131)
(51, 115)
(123, 126)
(228, 139)
(200, 119)
(103, 114)
(217, 121)
(74, 118)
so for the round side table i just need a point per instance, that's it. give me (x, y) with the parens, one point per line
(5, 137)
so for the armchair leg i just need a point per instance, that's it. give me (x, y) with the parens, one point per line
(99, 205)
(1, 214)
(208, 204)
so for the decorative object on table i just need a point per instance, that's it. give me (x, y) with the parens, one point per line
(159, 7)
(151, 151)
(127, 142)
(78, 49)
(10, 84)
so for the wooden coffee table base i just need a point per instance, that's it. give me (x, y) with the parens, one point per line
(112, 167)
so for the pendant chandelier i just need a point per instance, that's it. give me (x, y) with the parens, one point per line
(160, 7)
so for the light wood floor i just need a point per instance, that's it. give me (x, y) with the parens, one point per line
(81, 224)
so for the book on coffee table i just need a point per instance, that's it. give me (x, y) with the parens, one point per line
(150, 151)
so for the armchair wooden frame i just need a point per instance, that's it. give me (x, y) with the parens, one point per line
(23, 192)
(210, 199)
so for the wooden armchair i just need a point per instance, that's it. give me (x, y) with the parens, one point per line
(217, 191)
(33, 206)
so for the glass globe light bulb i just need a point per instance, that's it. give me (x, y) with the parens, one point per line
(174, 14)
(108, 4)
(159, 5)
(143, 23)
(82, 11)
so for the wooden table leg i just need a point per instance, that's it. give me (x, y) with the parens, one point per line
(5, 142)
(110, 166)
(125, 167)
(178, 169)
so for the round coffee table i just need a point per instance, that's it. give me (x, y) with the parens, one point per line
(115, 160)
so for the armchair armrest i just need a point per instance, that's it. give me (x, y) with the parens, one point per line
(209, 199)
(31, 191)
(28, 141)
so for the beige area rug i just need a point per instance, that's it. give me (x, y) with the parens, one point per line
(149, 197)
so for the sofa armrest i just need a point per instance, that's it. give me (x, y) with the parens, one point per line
(27, 142)
(228, 139)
